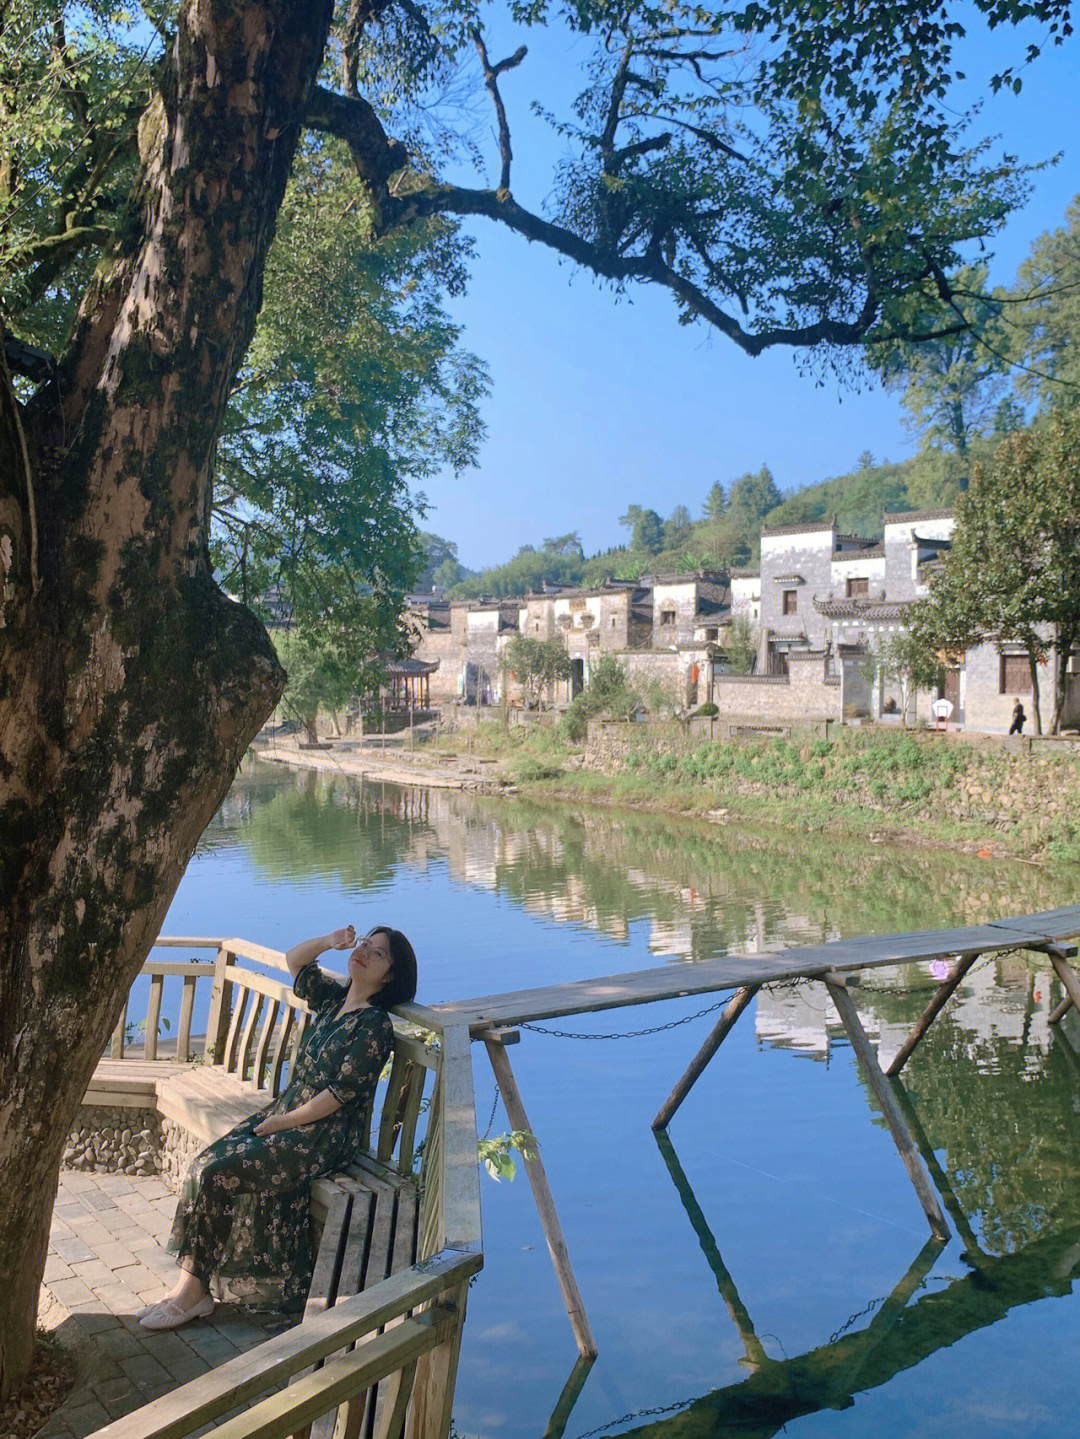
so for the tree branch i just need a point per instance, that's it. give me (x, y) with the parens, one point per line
(491, 80)
(359, 15)
(375, 155)
(650, 269)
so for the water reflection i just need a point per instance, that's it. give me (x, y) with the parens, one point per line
(901, 1335)
(992, 1116)
(994, 1092)
(702, 889)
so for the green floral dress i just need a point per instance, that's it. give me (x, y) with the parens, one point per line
(244, 1212)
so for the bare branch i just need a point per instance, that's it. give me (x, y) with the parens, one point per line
(618, 158)
(707, 136)
(359, 15)
(653, 268)
(491, 80)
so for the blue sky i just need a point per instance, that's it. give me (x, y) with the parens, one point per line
(598, 403)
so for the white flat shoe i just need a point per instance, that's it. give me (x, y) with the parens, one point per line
(169, 1315)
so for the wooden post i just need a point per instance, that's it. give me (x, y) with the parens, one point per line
(1061, 1010)
(183, 1033)
(153, 1017)
(890, 1109)
(937, 1003)
(545, 1204)
(571, 1392)
(739, 1000)
(217, 1021)
(1069, 981)
(119, 1036)
(433, 1387)
(940, 1179)
(754, 1356)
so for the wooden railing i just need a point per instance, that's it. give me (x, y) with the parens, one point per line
(403, 1333)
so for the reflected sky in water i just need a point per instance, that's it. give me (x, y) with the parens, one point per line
(781, 1212)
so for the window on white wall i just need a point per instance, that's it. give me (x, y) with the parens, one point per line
(1015, 675)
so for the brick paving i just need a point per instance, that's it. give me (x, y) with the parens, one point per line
(106, 1262)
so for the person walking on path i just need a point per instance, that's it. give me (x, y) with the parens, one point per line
(1018, 718)
(243, 1214)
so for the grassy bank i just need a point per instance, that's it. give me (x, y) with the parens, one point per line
(911, 787)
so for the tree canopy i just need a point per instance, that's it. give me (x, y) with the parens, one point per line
(354, 390)
(799, 200)
(646, 529)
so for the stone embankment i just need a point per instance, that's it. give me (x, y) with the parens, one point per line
(395, 763)
(1020, 796)
(1023, 791)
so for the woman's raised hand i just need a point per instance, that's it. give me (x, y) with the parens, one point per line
(343, 938)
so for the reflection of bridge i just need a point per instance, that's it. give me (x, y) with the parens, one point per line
(900, 1335)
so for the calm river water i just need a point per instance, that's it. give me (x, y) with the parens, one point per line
(769, 1267)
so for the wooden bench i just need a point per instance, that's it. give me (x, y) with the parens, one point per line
(379, 1340)
(367, 1217)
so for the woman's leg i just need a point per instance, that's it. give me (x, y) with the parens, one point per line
(239, 1163)
(201, 1232)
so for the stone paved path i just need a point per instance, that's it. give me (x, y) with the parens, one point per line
(106, 1261)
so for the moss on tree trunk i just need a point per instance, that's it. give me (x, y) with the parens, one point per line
(130, 686)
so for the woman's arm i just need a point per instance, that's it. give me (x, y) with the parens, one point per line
(320, 1107)
(308, 950)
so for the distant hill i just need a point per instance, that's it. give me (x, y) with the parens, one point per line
(857, 500)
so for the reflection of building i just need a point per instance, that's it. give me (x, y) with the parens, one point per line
(995, 1001)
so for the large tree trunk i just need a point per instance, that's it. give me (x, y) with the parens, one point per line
(129, 685)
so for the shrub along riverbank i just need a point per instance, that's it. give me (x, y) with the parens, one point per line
(910, 786)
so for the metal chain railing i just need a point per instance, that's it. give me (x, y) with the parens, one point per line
(652, 1028)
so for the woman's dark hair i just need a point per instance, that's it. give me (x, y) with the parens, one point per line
(400, 987)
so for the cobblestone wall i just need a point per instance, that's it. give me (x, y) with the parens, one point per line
(115, 1140)
(130, 1141)
(178, 1148)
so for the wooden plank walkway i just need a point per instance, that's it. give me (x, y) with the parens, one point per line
(672, 981)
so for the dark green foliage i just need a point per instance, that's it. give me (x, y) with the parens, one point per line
(951, 387)
(1044, 317)
(750, 499)
(606, 694)
(355, 389)
(715, 501)
(647, 529)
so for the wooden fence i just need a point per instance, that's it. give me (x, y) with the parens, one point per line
(403, 1333)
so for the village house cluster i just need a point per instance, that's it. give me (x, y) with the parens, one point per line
(818, 611)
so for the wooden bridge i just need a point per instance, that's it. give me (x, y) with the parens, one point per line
(376, 1352)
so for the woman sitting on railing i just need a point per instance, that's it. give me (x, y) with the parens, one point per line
(244, 1213)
